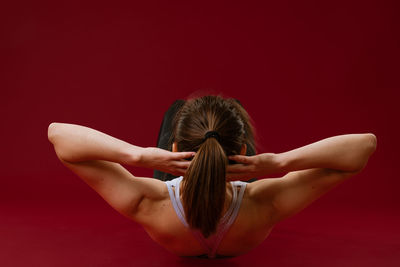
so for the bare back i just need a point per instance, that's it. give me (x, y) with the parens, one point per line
(265, 203)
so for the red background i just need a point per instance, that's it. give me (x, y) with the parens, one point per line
(304, 70)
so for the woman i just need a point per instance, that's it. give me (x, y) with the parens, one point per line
(205, 208)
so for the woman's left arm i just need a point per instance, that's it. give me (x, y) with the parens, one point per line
(76, 143)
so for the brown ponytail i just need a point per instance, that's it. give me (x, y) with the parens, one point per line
(204, 184)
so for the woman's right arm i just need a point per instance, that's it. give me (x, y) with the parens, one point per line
(313, 169)
(349, 153)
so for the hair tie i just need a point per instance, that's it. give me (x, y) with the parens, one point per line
(212, 134)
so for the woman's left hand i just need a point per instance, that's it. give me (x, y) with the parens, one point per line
(164, 160)
(252, 166)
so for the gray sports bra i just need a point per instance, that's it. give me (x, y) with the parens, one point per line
(211, 243)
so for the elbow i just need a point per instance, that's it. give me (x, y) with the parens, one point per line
(370, 147)
(53, 134)
(371, 143)
(52, 131)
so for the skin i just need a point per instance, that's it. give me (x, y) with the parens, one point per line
(313, 170)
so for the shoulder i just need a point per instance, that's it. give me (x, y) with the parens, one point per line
(154, 195)
(296, 190)
(152, 188)
(262, 187)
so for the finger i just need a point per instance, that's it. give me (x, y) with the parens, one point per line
(183, 155)
(182, 164)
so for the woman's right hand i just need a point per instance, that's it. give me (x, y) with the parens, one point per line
(252, 166)
(163, 160)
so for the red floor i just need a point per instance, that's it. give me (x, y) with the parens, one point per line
(93, 234)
